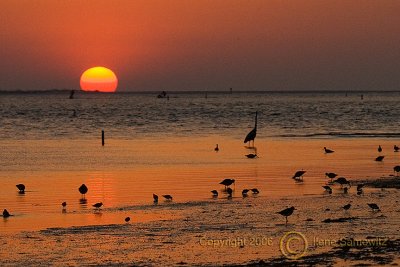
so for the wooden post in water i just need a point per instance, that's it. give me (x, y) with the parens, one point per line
(102, 137)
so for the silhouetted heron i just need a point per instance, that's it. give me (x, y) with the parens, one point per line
(83, 190)
(374, 207)
(216, 148)
(379, 149)
(168, 197)
(21, 188)
(380, 158)
(327, 150)
(287, 212)
(252, 134)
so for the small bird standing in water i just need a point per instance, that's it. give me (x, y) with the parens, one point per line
(255, 191)
(229, 191)
(216, 148)
(6, 214)
(98, 205)
(328, 151)
(396, 148)
(380, 158)
(83, 190)
(127, 219)
(346, 207)
(21, 188)
(215, 193)
(64, 204)
(244, 192)
(155, 198)
(168, 197)
(379, 149)
(327, 189)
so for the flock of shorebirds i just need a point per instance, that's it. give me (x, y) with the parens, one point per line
(298, 177)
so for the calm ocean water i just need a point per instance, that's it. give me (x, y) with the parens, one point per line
(131, 116)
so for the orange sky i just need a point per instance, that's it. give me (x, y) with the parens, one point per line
(202, 44)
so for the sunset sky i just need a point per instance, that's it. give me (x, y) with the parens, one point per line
(202, 44)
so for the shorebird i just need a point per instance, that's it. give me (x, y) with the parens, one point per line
(64, 204)
(328, 189)
(255, 191)
(155, 198)
(342, 181)
(379, 149)
(330, 175)
(287, 212)
(299, 175)
(345, 190)
(374, 207)
(229, 191)
(216, 148)
(380, 158)
(346, 207)
(168, 197)
(227, 182)
(98, 205)
(244, 192)
(215, 193)
(127, 219)
(83, 190)
(251, 156)
(6, 214)
(396, 148)
(252, 134)
(396, 169)
(327, 150)
(21, 188)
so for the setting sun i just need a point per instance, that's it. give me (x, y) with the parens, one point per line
(99, 79)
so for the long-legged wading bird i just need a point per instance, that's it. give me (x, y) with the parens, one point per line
(374, 207)
(21, 188)
(214, 192)
(83, 190)
(168, 197)
(327, 150)
(98, 205)
(252, 134)
(380, 158)
(287, 212)
(227, 182)
(396, 169)
(299, 175)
